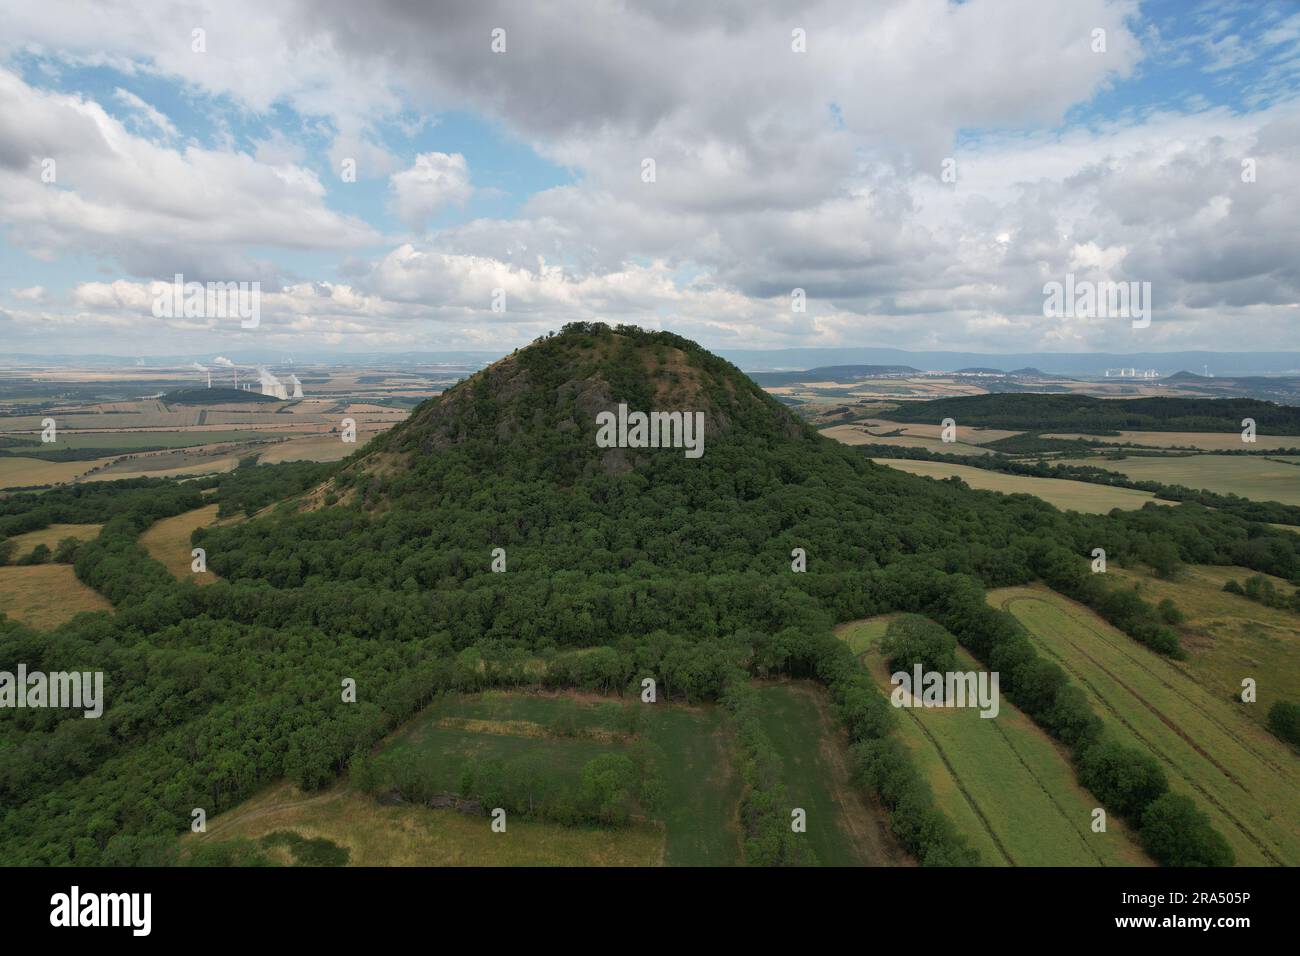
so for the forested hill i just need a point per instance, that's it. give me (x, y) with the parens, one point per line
(534, 413)
(1084, 413)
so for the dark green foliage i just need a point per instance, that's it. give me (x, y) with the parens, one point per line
(314, 851)
(912, 639)
(1175, 833)
(1124, 779)
(1083, 413)
(1284, 721)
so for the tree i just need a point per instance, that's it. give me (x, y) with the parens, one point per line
(1122, 778)
(1284, 721)
(1175, 833)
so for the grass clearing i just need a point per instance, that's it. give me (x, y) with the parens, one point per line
(1256, 478)
(844, 828)
(168, 542)
(1242, 776)
(1005, 784)
(1063, 493)
(44, 596)
(51, 536)
(410, 835)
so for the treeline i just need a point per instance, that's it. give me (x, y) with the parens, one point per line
(1261, 590)
(1082, 413)
(1269, 512)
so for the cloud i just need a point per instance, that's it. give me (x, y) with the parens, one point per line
(150, 209)
(434, 182)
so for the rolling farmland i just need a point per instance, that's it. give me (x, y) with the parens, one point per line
(1242, 776)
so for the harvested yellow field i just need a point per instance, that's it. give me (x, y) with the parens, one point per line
(1064, 494)
(33, 472)
(44, 596)
(329, 448)
(168, 542)
(1206, 441)
(857, 435)
(51, 536)
(410, 835)
(964, 434)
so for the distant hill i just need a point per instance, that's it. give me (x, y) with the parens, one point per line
(1186, 376)
(214, 396)
(839, 374)
(1028, 372)
(980, 371)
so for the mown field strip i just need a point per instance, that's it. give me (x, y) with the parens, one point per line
(1247, 781)
(843, 828)
(1002, 780)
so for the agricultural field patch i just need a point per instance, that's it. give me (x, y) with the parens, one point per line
(844, 827)
(24, 544)
(1238, 773)
(1228, 636)
(1006, 785)
(33, 472)
(857, 435)
(1206, 441)
(1255, 477)
(405, 834)
(43, 596)
(168, 542)
(1063, 493)
(559, 734)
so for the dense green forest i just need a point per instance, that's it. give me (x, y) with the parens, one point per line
(1100, 416)
(677, 569)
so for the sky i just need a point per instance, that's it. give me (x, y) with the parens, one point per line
(398, 175)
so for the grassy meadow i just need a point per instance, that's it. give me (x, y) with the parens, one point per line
(1237, 772)
(1256, 478)
(44, 596)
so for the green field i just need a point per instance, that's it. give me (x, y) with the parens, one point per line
(1256, 478)
(407, 834)
(1064, 494)
(1229, 636)
(701, 791)
(1241, 775)
(844, 829)
(1005, 784)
